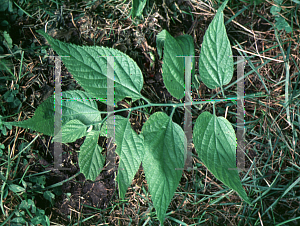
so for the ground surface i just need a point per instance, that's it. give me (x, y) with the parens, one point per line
(271, 142)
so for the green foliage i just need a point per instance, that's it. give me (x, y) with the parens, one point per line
(164, 156)
(280, 21)
(137, 7)
(48, 195)
(39, 218)
(130, 148)
(11, 97)
(71, 131)
(8, 17)
(22, 189)
(90, 70)
(282, 24)
(4, 126)
(215, 142)
(90, 159)
(16, 188)
(161, 145)
(8, 40)
(6, 5)
(216, 62)
(173, 62)
(76, 106)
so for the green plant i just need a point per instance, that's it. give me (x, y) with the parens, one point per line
(20, 190)
(137, 7)
(11, 98)
(3, 127)
(27, 212)
(8, 16)
(161, 144)
(281, 23)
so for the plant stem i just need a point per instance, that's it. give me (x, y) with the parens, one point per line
(168, 105)
(145, 99)
(222, 92)
(160, 105)
(172, 113)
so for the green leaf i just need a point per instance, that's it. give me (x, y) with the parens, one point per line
(130, 148)
(90, 70)
(275, 10)
(71, 131)
(216, 62)
(173, 67)
(282, 24)
(48, 195)
(173, 64)
(137, 7)
(9, 96)
(4, 6)
(26, 205)
(91, 161)
(8, 39)
(43, 119)
(215, 142)
(160, 41)
(186, 43)
(78, 106)
(164, 152)
(280, 21)
(16, 188)
(103, 130)
(18, 221)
